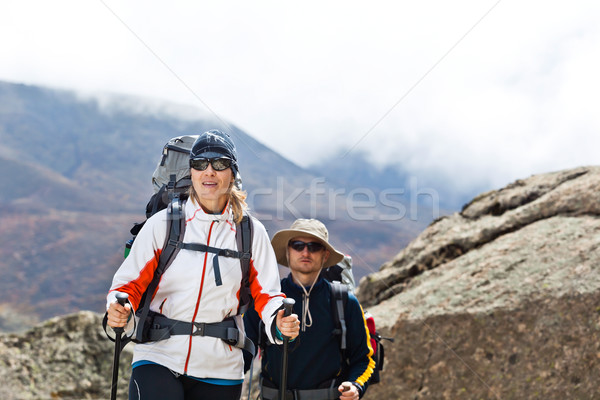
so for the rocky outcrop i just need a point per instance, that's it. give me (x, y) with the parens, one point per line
(499, 301)
(64, 358)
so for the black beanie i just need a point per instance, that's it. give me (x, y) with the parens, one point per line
(214, 143)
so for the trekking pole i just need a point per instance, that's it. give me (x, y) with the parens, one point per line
(122, 299)
(288, 304)
(250, 379)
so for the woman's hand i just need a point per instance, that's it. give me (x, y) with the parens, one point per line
(288, 326)
(118, 315)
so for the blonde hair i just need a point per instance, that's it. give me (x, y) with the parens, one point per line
(236, 199)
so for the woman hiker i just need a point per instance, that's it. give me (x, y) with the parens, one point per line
(195, 289)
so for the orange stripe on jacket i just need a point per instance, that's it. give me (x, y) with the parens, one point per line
(260, 299)
(136, 288)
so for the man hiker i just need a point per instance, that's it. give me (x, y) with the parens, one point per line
(318, 368)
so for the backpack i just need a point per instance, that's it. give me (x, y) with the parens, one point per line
(341, 272)
(174, 161)
(171, 194)
(339, 292)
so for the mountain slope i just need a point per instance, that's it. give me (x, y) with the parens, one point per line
(359, 170)
(77, 175)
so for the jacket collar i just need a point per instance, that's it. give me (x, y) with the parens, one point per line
(195, 212)
(319, 284)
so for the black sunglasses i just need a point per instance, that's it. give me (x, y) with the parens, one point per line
(218, 164)
(299, 245)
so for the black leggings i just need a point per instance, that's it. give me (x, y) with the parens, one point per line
(155, 382)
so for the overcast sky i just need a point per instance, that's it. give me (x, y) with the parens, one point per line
(487, 90)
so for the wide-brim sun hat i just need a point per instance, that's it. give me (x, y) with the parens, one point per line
(312, 228)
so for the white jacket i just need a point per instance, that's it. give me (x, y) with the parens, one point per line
(187, 290)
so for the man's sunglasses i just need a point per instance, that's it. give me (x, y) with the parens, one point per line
(218, 164)
(299, 246)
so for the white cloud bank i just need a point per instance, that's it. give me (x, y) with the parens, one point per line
(490, 91)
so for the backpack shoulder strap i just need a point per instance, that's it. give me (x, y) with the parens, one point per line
(175, 232)
(244, 235)
(339, 299)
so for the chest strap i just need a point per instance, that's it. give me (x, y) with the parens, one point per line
(226, 330)
(218, 252)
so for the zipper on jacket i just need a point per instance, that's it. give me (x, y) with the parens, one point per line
(187, 359)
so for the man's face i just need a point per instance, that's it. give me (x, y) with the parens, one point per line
(304, 261)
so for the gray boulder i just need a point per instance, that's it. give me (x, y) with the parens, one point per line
(65, 357)
(499, 301)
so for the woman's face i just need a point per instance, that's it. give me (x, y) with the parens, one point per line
(212, 187)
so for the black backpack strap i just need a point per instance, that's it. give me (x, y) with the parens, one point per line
(175, 231)
(244, 235)
(339, 299)
(154, 205)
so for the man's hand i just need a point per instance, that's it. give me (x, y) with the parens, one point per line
(288, 326)
(349, 391)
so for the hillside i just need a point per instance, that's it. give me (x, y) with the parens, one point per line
(76, 176)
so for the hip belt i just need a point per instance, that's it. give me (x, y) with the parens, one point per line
(227, 330)
(331, 393)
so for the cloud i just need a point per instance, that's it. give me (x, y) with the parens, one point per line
(487, 91)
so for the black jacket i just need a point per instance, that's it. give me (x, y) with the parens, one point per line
(314, 357)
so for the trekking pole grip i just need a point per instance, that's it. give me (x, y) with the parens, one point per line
(122, 299)
(288, 305)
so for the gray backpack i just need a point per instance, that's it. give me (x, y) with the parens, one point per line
(174, 160)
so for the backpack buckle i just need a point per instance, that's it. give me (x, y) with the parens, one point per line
(234, 336)
(200, 328)
(228, 253)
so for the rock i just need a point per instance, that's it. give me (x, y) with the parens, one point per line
(499, 301)
(546, 349)
(63, 358)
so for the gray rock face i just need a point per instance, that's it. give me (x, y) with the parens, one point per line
(499, 301)
(64, 358)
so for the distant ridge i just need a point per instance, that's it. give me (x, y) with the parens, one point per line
(78, 170)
